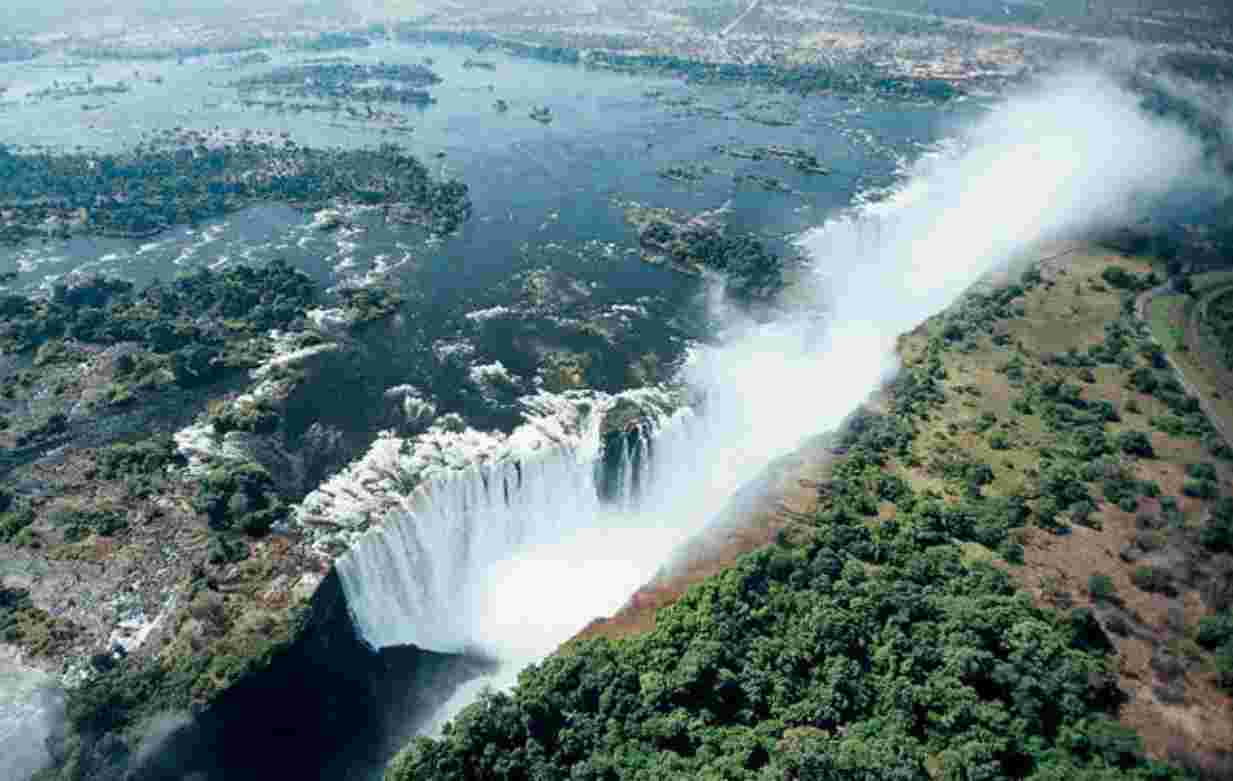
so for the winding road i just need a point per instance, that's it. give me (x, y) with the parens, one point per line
(1193, 340)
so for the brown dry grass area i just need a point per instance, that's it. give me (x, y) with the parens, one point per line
(1072, 312)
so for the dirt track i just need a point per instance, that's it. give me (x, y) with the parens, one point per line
(1193, 338)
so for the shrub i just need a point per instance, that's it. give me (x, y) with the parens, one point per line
(1199, 489)
(258, 417)
(1143, 380)
(240, 496)
(80, 522)
(1120, 278)
(1012, 552)
(1154, 580)
(1136, 443)
(1107, 411)
(14, 522)
(1101, 588)
(1084, 513)
(15, 514)
(1215, 631)
(1118, 746)
(224, 549)
(146, 457)
(1202, 471)
(1217, 533)
(1223, 664)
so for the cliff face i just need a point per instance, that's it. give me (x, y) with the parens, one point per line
(326, 706)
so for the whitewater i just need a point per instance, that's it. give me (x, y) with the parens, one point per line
(506, 546)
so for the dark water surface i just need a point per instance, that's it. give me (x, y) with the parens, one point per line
(546, 198)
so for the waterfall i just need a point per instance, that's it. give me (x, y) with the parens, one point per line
(410, 580)
(429, 520)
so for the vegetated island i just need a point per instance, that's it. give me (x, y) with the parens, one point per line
(185, 178)
(703, 244)
(380, 83)
(843, 78)
(1013, 562)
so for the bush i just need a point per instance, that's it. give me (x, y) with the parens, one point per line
(1199, 489)
(241, 497)
(1154, 580)
(1202, 471)
(224, 549)
(1012, 552)
(1217, 533)
(1120, 278)
(15, 514)
(258, 417)
(1223, 664)
(1215, 631)
(1171, 511)
(1136, 443)
(1101, 588)
(80, 522)
(146, 457)
(1084, 513)
(1118, 746)
(1143, 380)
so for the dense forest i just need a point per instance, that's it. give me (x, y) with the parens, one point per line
(152, 187)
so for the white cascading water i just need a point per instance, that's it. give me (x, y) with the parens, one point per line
(412, 580)
(512, 560)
